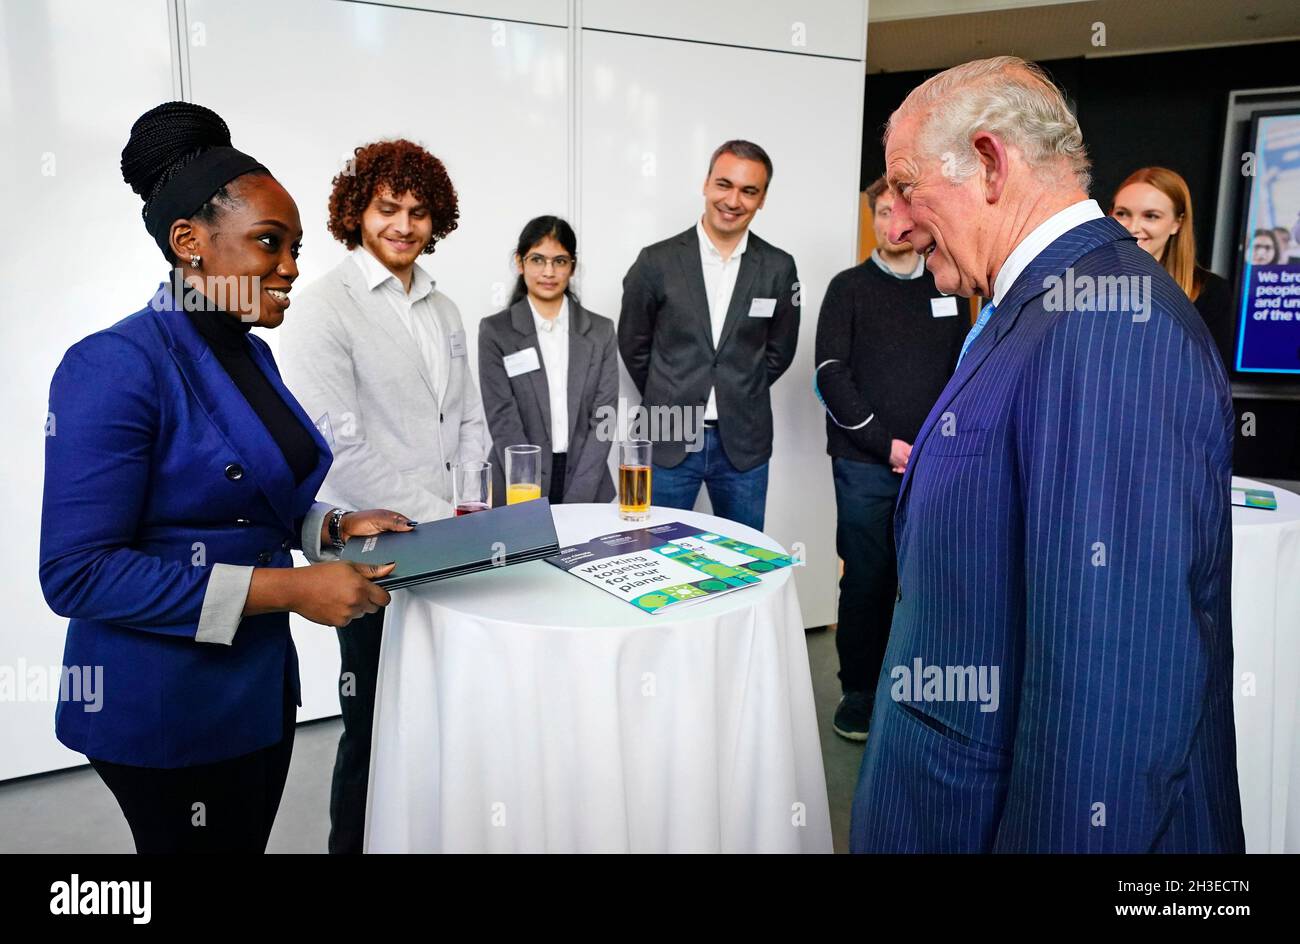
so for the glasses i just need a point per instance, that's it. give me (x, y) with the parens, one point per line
(536, 260)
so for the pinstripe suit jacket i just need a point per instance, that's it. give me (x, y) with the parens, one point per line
(1064, 520)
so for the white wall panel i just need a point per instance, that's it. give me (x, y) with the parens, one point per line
(303, 82)
(552, 12)
(647, 134)
(819, 27)
(74, 258)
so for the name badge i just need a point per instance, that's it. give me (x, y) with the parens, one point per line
(521, 362)
(945, 307)
(762, 307)
(458, 344)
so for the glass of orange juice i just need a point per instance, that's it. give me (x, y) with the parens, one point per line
(523, 473)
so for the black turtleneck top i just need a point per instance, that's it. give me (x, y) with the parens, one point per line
(227, 337)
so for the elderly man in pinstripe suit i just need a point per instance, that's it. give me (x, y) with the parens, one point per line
(1059, 670)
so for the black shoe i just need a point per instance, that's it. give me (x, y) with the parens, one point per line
(853, 716)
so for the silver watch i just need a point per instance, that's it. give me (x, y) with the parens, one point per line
(335, 529)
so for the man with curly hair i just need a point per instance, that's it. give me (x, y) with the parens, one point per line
(377, 358)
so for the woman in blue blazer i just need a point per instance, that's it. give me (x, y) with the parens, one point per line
(179, 474)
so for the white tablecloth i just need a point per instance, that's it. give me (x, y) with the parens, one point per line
(1266, 650)
(522, 710)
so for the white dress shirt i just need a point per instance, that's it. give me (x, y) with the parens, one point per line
(411, 308)
(719, 284)
(1039, 238)
(553, 342)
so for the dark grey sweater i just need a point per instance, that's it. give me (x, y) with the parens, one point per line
(881, 354)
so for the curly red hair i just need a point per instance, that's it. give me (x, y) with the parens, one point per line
(402, 166)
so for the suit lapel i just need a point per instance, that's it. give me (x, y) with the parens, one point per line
(384, 321)
(688, 257)
(581, 350)
(1054, 260)
(305, 493)
(749, 266)
(243, 430)
(521, 319)
(975, 356)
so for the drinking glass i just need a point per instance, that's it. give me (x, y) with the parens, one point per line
(634, 480)
(471, 487)
(523, 473)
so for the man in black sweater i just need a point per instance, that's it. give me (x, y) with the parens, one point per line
(887, 342)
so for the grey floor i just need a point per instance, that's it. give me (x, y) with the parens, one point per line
(72, 811)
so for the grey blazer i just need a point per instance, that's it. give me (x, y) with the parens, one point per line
(666, 339)
(519, 408)
(395, 431)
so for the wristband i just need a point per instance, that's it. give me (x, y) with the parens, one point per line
(336, 535)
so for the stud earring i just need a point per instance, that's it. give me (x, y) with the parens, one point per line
(196, 261)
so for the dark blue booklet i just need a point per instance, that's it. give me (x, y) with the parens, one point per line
(437, 550)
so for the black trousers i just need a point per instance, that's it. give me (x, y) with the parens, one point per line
(359, 668)
(865, 494)
(225, 806)
(559, 462)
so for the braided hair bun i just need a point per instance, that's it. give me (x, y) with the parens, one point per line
(166, 138)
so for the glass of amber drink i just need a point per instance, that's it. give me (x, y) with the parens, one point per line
(523, 473)
(634, 480)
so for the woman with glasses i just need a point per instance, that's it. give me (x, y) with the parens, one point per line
(549, 371)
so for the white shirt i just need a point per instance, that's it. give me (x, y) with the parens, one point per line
(1039, 238)
(553, 342)
(916, 272)
(412, 308)
(719, 284)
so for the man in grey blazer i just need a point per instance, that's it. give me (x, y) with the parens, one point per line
(710, 320)
(377, 357)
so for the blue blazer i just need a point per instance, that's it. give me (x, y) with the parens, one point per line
(1064, 520)
(157, 468)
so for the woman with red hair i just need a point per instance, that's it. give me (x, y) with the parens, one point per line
(1154, 204)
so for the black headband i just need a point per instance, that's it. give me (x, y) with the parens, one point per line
(192, 187)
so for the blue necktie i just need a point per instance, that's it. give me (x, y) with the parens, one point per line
(985, 314)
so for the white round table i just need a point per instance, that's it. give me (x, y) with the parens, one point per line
(523, 710)
(1266, 657)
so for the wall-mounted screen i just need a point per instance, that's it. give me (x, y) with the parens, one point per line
(1268, 294)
